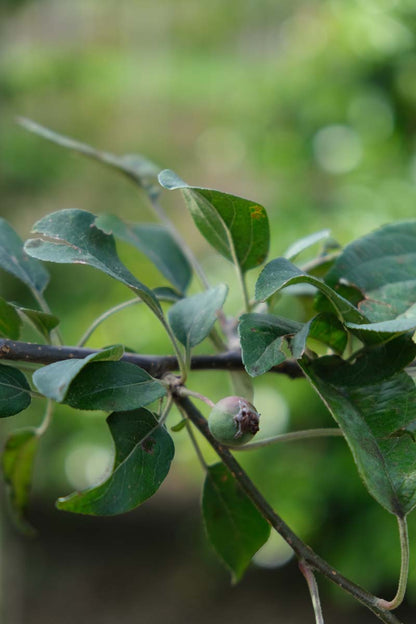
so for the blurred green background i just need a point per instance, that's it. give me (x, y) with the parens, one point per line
(306, 106)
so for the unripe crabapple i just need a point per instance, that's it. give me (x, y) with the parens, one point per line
(233, 421)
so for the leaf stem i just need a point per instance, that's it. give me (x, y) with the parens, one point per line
(196, 445)
(46, 419)
(404, 568)
(105, 316)
(183, 363)
(313, 590)
(305, 434)
(197, 395)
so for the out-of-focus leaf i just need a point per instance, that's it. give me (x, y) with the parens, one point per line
(235, 527)
(157, 243)
(382, 265)
(14, 260)
(43, 322)
(17, 463)
(10, 322)
(192, 318)
(14, 391)
(237, 228)
(261, 337)
(144, 452)
(369, 414)
(280, 273)
(113, 386)
(164, 293)
(77, 240)
(242, 385)
(304, 243)
(53, 380)
(139, 169)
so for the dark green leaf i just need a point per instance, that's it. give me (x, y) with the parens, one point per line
(234, 526)
(369, 414)
(280, 273)
(192, 318)
(43, 322)
(14, 391)
(382, 265)
(157, 243)
(384, 330)
(237, 228)
(15, 261)
(144, 452)
(304, 243)
(77, 240)
(113, 386)
(53, 380)
(325, 328)
(10, 322)
(17, 463)
(261, 337)
(142, 171)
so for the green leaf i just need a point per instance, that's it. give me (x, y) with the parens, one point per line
(137, 168)
(144, 452)
(10, 322)
(14, 391)
(192, 318)
(43, 322)
(14, 260)
(237, 228)
(384, 330)
(382, 265)
(164, 293)
(261, 337)
(325, 328)
(304, 243)
(280, 273)
(157, 243)
(234, 526)
(113, 386)
(370, 413)
(17, 464)
(77, 240)
(53, 380)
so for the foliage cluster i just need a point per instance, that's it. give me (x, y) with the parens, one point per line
(356, 348)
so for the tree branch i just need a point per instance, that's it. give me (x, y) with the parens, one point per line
(155, 365)
(302, 550)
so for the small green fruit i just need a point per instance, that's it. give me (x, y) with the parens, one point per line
(233, 421)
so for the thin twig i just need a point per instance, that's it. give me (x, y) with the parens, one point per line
(155, 365)
(302, 550)
(313, 590)
(291, 436)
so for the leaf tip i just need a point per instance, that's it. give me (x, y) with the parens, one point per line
(170, 180)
